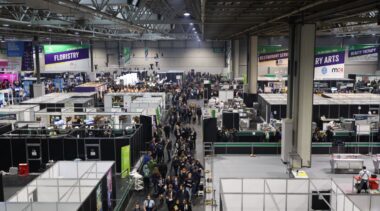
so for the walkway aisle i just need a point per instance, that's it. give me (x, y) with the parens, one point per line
(199, 155)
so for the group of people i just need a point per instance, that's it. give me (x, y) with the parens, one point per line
(171, 174)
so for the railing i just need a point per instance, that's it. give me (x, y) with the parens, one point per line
(122, 203)
(238, 194)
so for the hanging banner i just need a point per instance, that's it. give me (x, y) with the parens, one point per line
(273, 56)
(66, 57)
(127, 55)
(125, 161)
(27, 63)
(329, 63)
(360, 50)
(65, 53)
(268, 53)
(15, 49)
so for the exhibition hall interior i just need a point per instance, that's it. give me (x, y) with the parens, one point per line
(189, 105)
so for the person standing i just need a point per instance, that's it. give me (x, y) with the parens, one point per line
(364, 175)
(149, 204)
(199, 114)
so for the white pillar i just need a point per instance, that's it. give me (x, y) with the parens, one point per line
(252, 65)
(300, 92)
(235, 59)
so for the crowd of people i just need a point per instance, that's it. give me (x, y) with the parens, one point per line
(171, 174)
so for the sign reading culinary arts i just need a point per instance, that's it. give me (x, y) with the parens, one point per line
(65, 53)
(359, 50)
(329, 63)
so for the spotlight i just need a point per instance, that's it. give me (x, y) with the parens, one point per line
(191, 24)
(186, 14)
(193, 29)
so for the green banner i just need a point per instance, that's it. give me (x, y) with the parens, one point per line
(127, 55)
(361, 46)
(270, 49)
(326, 50)
(245, 79)
(125, 161)
(49, 49)
(158, 115)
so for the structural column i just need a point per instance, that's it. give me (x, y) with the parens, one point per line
(378, 54)
(38, 87)
(252, 65)
(92, 74)
(235, 59)
(300, 90)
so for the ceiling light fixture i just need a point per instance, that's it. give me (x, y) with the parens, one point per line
(5, 25)
(191, 24)
(193, 29)
(186, 14)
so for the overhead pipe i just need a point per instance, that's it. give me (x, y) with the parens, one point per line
(100, 14)
(203, 17)
(17, 22)
(282, 16)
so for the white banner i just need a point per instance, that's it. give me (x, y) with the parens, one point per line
(329, 72)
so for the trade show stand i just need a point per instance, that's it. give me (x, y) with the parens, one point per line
(127, 101)
(15, 113)
(57, 101)
(331, 106)
(67, 117)
(69, 185)
(275, 147)
(99, 88)
(38, 146)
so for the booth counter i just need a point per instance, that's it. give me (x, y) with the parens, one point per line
(69, 186)
(37, 146)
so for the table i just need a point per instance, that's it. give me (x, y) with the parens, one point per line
(350, 163)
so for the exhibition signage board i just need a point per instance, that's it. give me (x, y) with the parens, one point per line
(65, 53)
(127, 55)
(125, 161)
(329, 63)
(359, 50)
(268, 53)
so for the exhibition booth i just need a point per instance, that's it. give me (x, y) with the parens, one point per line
(150, 102)
(57, 101)
(290, 194)
(67, 117)
(16, 113)
(38, 146)
(68, 185)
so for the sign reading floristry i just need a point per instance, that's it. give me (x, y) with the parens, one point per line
(329, 63)
(359, 50)
(65, 53)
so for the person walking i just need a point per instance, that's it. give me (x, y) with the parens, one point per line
(149, 204)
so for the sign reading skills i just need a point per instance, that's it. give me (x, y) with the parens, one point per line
(65, 53)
